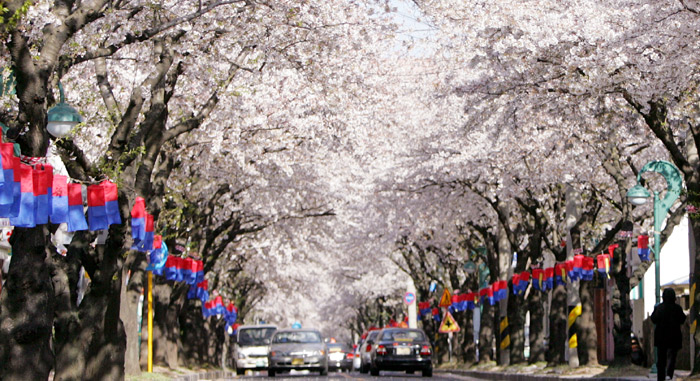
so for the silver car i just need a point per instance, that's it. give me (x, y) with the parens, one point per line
(297, 349)
(365, 350)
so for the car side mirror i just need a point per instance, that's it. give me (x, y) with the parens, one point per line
(266, 341)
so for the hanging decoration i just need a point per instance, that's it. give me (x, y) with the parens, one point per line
(643, 247)
(604, 264)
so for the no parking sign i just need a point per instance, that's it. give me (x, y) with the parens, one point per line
(409, 298)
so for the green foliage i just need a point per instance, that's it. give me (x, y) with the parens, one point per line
(16, 17)
(114, 168)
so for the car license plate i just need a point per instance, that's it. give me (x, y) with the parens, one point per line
(403, 351)
(297, 361)
(260, 363)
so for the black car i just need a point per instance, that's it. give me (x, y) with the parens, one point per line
(402, 349)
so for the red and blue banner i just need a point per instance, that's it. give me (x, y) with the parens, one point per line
(97, 211)
(26, 201)
(111, 193)
(59, 199)
(643, 247)
(76, 214)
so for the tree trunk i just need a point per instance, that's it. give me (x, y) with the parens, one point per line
(486, 333)
(172, 319)
(537, 334)
(587, 340)
(516, 319)
(100, 312)
(161, 300)
(27, 309)
(136, 265)
(557, 327)
(69, 353)
(194, 342)
(622, 317)
(469, 347)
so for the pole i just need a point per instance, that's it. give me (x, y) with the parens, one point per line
(150, 322)
(412, 309)
(657, 243)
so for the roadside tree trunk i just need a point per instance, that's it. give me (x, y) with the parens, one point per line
(557, 327)
(27, 309)
(516, 320)
(587, 340)
(137, 286)
(487, 334)
(535, 304)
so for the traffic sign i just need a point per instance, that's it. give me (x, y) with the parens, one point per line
(448, 324)
(409, 298)
(446, 299)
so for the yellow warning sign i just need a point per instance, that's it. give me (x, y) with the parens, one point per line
(446, 299)
(448, 324)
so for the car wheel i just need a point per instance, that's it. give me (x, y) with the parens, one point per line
(324, 371)
(240, 372)
(363, 368)
(428, 372)
(374, 371)
(271, 373)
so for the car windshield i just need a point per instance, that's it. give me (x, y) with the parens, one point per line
(255, 336)
(337, 347)
(297, 337)
(403, 336)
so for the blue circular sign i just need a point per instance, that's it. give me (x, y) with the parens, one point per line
(409, 298)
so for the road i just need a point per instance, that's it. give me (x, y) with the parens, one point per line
(358, 376)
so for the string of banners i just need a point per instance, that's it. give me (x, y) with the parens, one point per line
(178, 269)
(32, 194)
(579, 268)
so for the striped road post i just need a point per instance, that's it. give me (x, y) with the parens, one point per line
(572, 329)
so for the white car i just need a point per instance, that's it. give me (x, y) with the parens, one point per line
(252, 346)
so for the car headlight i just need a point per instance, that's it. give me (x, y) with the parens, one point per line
(241, 355)
(319, 352)
(277, 354)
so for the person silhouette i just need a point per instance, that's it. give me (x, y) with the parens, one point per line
(667, 318)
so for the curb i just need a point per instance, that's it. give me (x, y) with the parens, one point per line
(206, 376)
(533, 377)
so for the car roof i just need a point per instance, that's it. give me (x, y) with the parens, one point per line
(257, 326)
(298, 330)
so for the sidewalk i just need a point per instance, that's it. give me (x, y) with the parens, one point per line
(539, 372)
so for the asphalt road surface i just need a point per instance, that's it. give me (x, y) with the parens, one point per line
(384, 375)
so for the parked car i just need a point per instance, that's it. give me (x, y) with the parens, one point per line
(365, 350)
(251, 347)
(340, 357)
(297, 349)
(401, 349)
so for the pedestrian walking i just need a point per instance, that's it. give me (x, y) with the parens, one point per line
(667, 318)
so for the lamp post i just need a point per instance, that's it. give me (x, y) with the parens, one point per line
(62, 117)
(638, 195)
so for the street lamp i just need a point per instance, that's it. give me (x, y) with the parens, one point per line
(638, 195)
(62, 117)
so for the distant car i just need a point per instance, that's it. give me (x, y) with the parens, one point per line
(340, 357)
(365, 350)
(251, 347)
(401, 349)
(297, 349)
